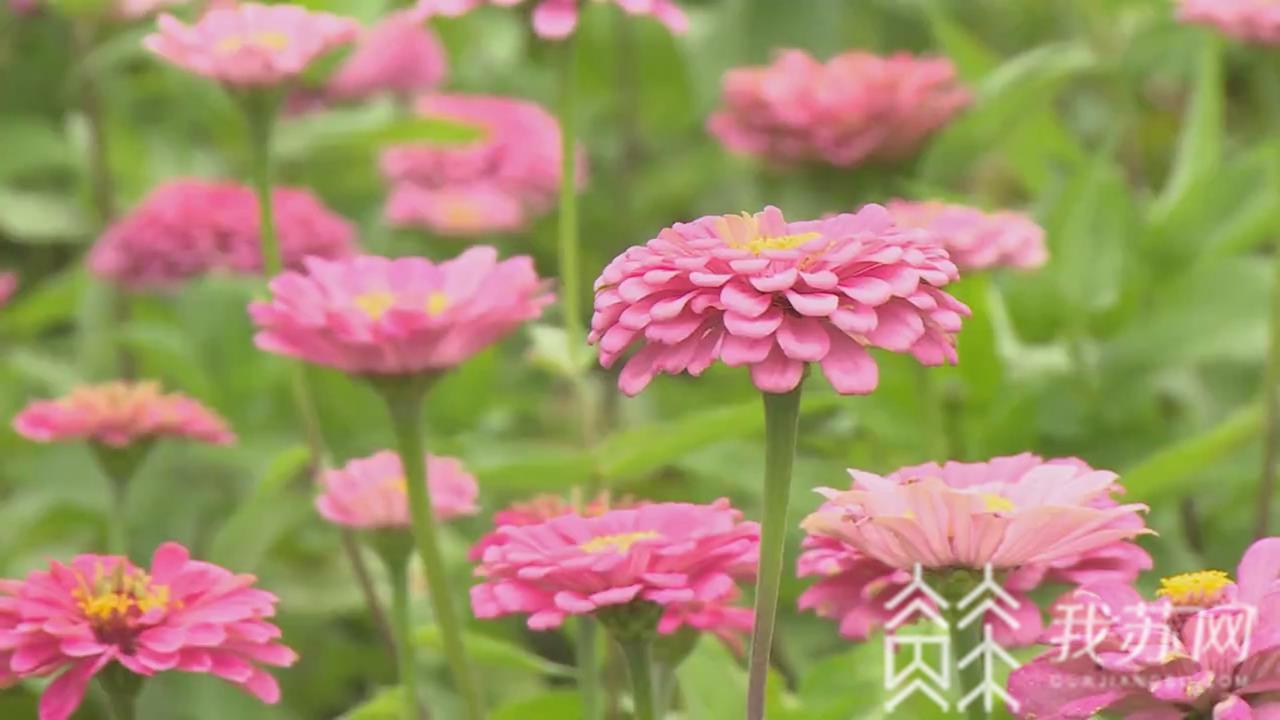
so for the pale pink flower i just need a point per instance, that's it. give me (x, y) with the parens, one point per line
(1208, 647)
(756, 290)
(853, 585)
(189, 228)
(496, 183)
(121, 413)
(1255, 21)
(399, 55)
(557, 19)
(382, 316)
(250, 45)
(8, 286)
(370, 493)
(182, 614)
(974, 239)
(855, 108)
(669, 554)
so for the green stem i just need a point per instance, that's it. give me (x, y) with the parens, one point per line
(570, 272)
(781, 419)
(261, 113)
(588, 667)
(121, 688)
(404, 402)
(406, 667)
(122, 706)
(963, 641)
(1271, 403)
(640, 666)
(118, 527)
(934, 414)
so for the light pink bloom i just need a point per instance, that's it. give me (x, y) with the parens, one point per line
(671, 554)
(497, 183)
(8, 286)
(1256, 21)
(540, 508)
(557, 19)
(121, 413)
(756, 290)
(720, 617)
(382, 316)
(182, 615)
(856, 574)
(977, 240)
(250, 45)
(399, 55)
(1212, 649)
(188, 228)
(855, 108)
(369, 493)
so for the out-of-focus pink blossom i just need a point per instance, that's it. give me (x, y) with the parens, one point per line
(557, 19)
(369, 493)
(182, 614)
(121, 413)
(399, 55)
(1255, 21)
(373, 315)
(458, 210)
(757, 290)
(8, 286)
(188, 228)
(249, 45)
(977, 240)
(855, 108)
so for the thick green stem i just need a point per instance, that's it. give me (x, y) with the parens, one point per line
(402, 620)
(121, 687)
(1271, 403)
(588, 668)
(404, 402)
(963, 642)
(570, 272)
(119, 465)
(781, 420)
(640, 666)
(261, 113)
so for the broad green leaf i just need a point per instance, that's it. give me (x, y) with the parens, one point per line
(560, 704)
(1172, 471)
(713, 684)
(973, 59)
(386, 704)
(530, 467)
(491, 652)
(32, 216)
(264, 515)
(551, 351)
(1200, 146)
(50, 304)
(368, 127)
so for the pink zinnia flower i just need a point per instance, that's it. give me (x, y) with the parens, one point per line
(1207, 647)
(188, 228)
(541, 508)
(976, 240)
(381, 316)
(557, 19)
(182, 615)
(399, 55)
(759, 291)
(496, 183)
(1042, 521)
(855, 108)
(669, 554)
(121, 413)
(369, 493)
(1256, 21)
(250, 45)
(8, 286)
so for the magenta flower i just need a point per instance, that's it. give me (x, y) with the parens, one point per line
(855, 108)
(557, 19)
(497, 183)
(372, 315)
(1255, 21)
(864, 544)
(759, 291)
(250, 45)
(976, 240)
(1206, 647)
(370, 493)
(399, 55)
(669, 554)
(120, 413)
(188, 228)
(182, 614)
(8, 286)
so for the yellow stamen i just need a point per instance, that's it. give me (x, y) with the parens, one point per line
(997, 503)
(437, 302)
(463, 214)
(375, 303)
(620, 543)
(109, 599)
(265, 39)
(1200, 589)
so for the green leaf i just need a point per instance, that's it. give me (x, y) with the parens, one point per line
(529, 467)
(41, 217)
(368, 127)
(560, 704)
(494, 653)
(714, 685)
(551, 350)
(263, 516)
(1200, 145)
(386, 704)
(1173, 471)
(973, 60)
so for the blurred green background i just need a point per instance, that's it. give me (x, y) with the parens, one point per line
(1143, 146)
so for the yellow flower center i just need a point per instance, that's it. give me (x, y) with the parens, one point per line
(463, 214)
(758, 243)
(997, 503)
(265, 39)
(620, 543)
(110, 600)
(1201, 589)
(437, 302)
(375, 303)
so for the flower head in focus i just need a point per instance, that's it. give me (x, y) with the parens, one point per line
(856, 108)
(862, 545)
(663, 554)
(118, 414)
(369, 493)
(372, 315)
(1254, 21)
(1213, 649)
(250, 45)
(557, 19)
(188, 228)
(974, 239)
(399, 55)
(757, 290)
(181, 614)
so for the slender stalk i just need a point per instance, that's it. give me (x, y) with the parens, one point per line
(118, 526)
(404, 403)
(934, 413)
(963, 641)
(588, 668)
(781, 420)
(260, 112)
(570, 272)
(406, 666)
(640, 666)
(1271, 403)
